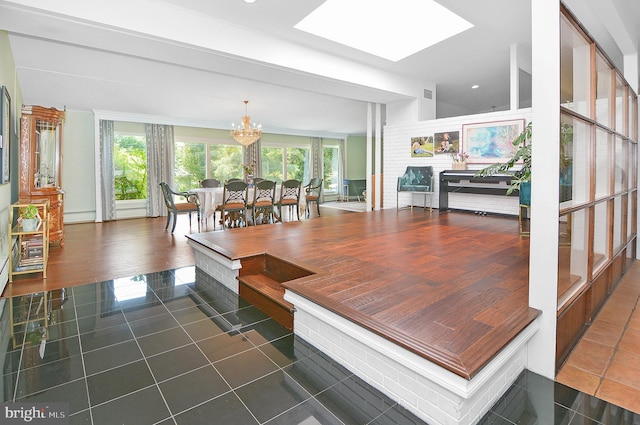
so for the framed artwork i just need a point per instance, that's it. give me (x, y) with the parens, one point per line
(5, 134)
(422, 146)
(491, 142)
(447, 142)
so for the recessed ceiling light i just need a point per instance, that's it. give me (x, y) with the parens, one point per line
(249, 1)
(390, 29)
(475, 86)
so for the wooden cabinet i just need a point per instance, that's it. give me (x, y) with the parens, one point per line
(28, 246)
(41, 163)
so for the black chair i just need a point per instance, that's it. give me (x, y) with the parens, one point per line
(174, 208)
(264, 194)
(233, 180)
(289, 197)
(234, 204)
(210, 183)
(312, 193)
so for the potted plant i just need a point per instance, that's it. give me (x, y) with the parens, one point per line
(29, 216)
(522, 176)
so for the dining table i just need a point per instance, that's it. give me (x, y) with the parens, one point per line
(210, 199)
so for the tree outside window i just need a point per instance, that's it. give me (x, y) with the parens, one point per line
(331, 166)
(298, 164)
(225, 162)
(191, 160)
(190, 165)
(292, 162)
(130, 166)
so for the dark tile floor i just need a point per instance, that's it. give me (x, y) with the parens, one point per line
(177, 348)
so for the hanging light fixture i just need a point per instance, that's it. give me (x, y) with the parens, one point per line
(245, 134)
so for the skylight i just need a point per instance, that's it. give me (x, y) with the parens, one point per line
(391, 29)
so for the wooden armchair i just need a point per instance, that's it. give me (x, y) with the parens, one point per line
(210, 183)
(312, 193)
(264, 194)
(234, 204)
(174, 208)
(289, 197)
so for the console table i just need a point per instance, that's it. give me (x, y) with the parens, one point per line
(464, 181)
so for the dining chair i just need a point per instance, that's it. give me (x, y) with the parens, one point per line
(257, 180)
(210, 183)
(192, 205)
(264, 194)
(289, 197)
(234, 180)
(234, 204)
(312, 193)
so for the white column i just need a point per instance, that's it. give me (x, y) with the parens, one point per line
(543, 267)
(378, 156)
(514, 78)
(369, 154)
(98, 168)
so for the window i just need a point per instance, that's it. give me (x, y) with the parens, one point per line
(575, 78)
(198, 160)
(279, 161)
(331, 168)
(599, 148)
(130, 165)
(603, 90)
(272, 163)
(225, 162)
(190, 165)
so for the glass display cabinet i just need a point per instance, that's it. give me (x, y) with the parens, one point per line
(41, 163)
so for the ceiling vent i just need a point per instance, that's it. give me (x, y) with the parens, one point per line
(428, 94)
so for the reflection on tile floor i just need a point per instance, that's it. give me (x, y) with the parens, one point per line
(176, 348)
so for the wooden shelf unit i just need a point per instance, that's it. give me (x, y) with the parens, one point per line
(28, 250)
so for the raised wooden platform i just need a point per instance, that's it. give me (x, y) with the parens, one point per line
(261, 280)
(450, 287)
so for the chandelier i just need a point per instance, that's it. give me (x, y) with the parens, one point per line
(245, 134)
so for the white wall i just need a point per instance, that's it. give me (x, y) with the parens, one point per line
(8, 79)
(78, 167)
(397, 156)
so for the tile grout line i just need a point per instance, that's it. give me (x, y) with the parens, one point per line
(616, 347)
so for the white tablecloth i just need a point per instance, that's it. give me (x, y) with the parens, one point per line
(211, 197)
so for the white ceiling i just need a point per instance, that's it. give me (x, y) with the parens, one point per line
(199, 59)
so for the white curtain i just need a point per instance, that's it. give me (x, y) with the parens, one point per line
(316, 157)
(252, 154)
(108, 188)
(341, 163)
(160, 166)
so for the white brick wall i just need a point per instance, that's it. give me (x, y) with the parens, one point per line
(397, 156)
(432, 393)
(215, 265)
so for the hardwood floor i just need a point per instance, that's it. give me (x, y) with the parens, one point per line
(97, 252)
(451, 287)
(94, 252)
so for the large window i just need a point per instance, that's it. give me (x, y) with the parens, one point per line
(225, 162)
(130, 164)
(280, 161)
(598, 183)
(190, 164)
(197, 160)
(331, 168)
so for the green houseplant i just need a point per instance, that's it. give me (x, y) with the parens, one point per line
(521, 176)
(29, 216)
